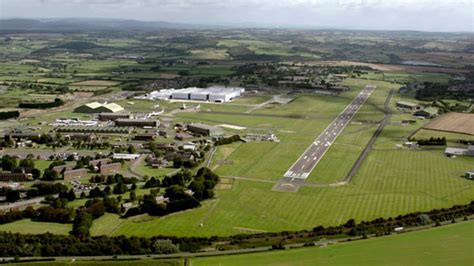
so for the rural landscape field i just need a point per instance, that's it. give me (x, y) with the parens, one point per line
(158, 143)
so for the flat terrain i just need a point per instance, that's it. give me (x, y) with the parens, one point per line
(27, 226)
(447, 245)
(453, 122)
(313, 154)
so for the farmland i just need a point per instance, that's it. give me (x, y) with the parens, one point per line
(453, 122)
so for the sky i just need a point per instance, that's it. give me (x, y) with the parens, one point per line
(424, 15)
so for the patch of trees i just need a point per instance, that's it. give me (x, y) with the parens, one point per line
(9, 114)
(435, 91)
(228, 140)
(439, 141)
(178, 196)
(61, 245)
(78, 46)
(40, 105)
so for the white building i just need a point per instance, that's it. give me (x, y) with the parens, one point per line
(125, 156)
(212, 94)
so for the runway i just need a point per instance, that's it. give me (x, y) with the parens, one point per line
(313, 154)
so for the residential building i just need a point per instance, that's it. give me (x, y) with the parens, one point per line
(16, 177)
(107, 169)
(75, 173)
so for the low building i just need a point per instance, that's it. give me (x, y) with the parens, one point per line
(429, 112)
(125, 156)
(22, 169)
(75, 173)
(95, 163)
(470, 174)
(22, 136)
(61, 168)
(182, 136)
(96, 107)
(161, 200)
(144, 137)
(205, 130)
(107, 169)
(121, 122)
(469, 151)
(408, 106)
(212, 94)
(16, 177)
(113, 116)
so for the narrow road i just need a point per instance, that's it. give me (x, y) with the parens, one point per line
(370, 144)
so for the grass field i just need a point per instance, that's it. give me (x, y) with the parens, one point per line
(447, 245)
(27, 226)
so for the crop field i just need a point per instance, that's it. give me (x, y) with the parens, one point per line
(95, 83)
(453, 122)
(447, 245)
(451, 138)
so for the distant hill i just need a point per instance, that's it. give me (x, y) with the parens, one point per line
(78, 46)
(82, 24)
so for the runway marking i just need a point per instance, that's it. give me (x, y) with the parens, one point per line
(335, 127)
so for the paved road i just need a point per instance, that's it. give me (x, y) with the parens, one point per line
(19, 204)
(313, 154)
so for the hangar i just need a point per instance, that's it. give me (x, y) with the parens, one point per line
(96, 107)
(212, 94)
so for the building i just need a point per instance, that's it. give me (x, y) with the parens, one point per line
(122, 122)
(75, 173)
(16, 177)
(212, 94)
(95, 107)
(22, 169)
(470, 174)
(205, 130)
(408, 106)
(113, 116)
(125, 156)
(460, 151)
(161, 200)
(428, 112)
(22, 136)
(107, 169)
(62, 168)
(95, 163)
(144, 137)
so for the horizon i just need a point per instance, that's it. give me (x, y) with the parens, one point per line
(399, 15)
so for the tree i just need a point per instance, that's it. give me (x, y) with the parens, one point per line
(164, 246)
(131, 149)
(27, 162)
(8, 162)
(133, 196)
(50, 175)
(120, 188)
(36, 173)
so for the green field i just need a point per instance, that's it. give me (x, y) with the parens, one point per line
(27, 226)
(447, 245)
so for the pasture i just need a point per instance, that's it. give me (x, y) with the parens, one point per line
(26, 226)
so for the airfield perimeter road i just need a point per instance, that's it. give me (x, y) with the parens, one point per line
(313, 154)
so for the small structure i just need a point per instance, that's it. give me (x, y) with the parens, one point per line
(161, 200)
(96, 107)
(398, 229)
(205, 130)
(429, 112)
(76, 173)
(122, 122)
(262, 137)
(408, 106)
(470, 174)
(107, 169)
(125, 156)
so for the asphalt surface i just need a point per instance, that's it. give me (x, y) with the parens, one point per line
(313, 154)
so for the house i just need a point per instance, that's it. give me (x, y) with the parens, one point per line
(107, 169)
(429, 112)
(75, 173)
(96, 107)
(122, 122)
(125, 156)
(408, 106)
(205, 130)
(470, 174)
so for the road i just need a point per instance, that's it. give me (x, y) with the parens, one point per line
(23, 203)
(313, 154)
